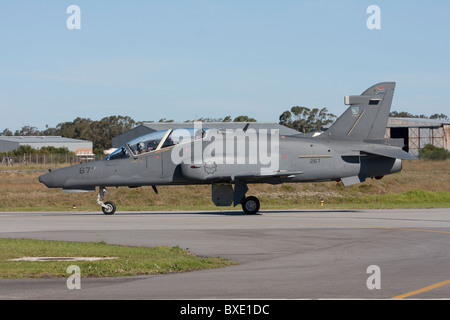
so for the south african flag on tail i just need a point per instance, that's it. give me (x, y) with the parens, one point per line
(379, 90)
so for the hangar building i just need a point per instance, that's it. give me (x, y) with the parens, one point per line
(417, 132)
(81, 148)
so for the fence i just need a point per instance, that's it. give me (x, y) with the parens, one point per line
(46, 159)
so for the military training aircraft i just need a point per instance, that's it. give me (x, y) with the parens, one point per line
(353, 149)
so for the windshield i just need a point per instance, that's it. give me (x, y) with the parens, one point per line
(147, 143)
(118, 154)
(156, 141)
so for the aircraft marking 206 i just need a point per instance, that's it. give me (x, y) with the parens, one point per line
(351, 150)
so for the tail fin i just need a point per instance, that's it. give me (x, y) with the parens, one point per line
(366, 117)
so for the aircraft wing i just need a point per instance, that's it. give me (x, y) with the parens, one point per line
(213, 172)
(386, 151)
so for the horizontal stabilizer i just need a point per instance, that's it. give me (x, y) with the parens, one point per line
(396, 142)
(387, 151)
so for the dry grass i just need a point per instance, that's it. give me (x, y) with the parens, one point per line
(419, 184)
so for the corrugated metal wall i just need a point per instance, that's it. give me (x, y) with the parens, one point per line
(447, 136)
(438, 137)
(413, 141)
(418, 137)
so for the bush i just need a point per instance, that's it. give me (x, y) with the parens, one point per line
(430, 152)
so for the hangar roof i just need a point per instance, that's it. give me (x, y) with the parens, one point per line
(40, 139)
(415, 122)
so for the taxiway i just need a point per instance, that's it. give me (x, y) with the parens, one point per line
(283, 254)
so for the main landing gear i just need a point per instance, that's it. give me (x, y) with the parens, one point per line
(108, 207)
(250, 205)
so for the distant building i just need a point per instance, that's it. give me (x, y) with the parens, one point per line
(149, 127)
(83, 149)
(417, 132)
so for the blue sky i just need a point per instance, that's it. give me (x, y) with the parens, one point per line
(186, 59)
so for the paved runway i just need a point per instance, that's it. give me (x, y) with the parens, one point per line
(323, 254)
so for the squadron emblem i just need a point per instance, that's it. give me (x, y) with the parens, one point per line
(210, 168)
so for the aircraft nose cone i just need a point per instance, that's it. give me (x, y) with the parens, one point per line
(44, 178)
(49, 179)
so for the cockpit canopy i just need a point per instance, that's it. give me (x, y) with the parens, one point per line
(156, 141)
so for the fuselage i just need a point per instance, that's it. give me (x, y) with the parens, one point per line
(287, 159)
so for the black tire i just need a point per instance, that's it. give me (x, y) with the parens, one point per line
(110, 208)
(250, 205)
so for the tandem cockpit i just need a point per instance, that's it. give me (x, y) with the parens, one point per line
(156, 141)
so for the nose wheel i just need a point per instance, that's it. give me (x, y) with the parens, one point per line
(108, 207)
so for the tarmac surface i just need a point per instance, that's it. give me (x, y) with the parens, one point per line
(282, 254)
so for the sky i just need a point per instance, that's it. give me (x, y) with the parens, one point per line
(187, 59)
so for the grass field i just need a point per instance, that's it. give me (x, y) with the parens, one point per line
(420, 184)
(128, 261)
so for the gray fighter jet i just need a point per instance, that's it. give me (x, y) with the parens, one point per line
(353, 149)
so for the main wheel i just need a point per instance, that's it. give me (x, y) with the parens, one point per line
(109, 208)
(250, 205)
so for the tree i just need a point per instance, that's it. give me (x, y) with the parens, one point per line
(404, 114)
(49, 131)
(286, 119)
(108, 128)
(306, 119)
(244, 119)
(439, 116)
(430, 152)
(226, 119)
(202, 119)
(99, 132)
(27, 131)
(7, 132)
(23, 149)
(54, 150)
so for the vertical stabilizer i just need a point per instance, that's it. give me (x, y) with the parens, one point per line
(366, 116)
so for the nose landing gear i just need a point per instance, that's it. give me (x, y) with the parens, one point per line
(108, 207)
